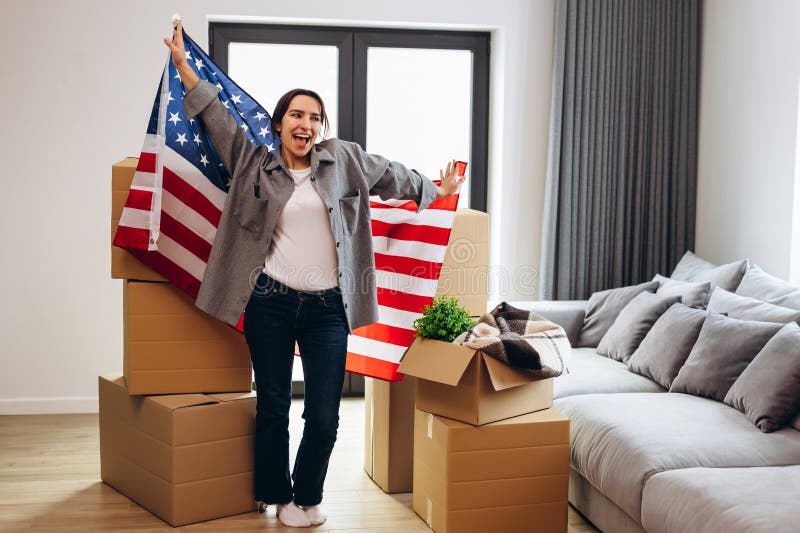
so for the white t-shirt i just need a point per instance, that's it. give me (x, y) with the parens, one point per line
(303, 252)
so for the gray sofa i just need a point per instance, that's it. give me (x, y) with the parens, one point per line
(644, 459)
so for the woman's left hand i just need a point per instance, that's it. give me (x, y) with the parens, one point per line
(450, 180)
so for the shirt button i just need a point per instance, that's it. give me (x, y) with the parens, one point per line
(345, 306)
(330, 210)
(337, 245)
(313, 178)
(340, 274)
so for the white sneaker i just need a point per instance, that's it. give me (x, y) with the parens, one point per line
(315, 514)
(291, 515)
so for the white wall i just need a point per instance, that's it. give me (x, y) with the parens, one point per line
(748, 132)
(78, 82)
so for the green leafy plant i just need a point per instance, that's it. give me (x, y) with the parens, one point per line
(445, 320)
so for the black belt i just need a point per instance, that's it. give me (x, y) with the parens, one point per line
(266, 283)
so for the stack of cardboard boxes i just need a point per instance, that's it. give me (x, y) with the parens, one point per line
(475, 440)
(489, 452)
(176, 427)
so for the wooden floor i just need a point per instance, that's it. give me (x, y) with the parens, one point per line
(50, 481)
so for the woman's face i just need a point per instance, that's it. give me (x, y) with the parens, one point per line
(299, 127)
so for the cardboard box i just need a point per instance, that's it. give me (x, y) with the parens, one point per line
(123, 264)
(470, 386)
(389, 433)
(509, 476)
(465, 271)
(185, 458)
(171, 347)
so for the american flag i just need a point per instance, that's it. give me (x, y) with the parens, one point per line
(174, 206)
(176, 198)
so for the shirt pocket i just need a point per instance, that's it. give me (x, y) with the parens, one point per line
(250, 211)
(350, 209)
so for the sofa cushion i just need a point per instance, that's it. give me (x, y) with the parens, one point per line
(594, 505)
(591, 373)
(603, 308)
(632, 324)
(666, 346)
(791, 300)
(746, 308)
(692, 268)
(758, 284)
(768, 391)
(692, 293)
(619, 440)
(724, 348)
(722, 500)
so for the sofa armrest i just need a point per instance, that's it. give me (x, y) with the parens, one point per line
(566, 313)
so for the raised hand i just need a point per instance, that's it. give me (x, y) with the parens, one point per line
(451, 182)
(176, 47)
(176, 44)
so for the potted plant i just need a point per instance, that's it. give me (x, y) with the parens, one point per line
(445, 320)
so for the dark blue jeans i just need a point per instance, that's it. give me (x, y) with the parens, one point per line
(275, 317)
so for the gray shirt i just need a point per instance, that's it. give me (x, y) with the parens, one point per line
(343, 174)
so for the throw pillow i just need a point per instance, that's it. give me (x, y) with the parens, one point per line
(692, 268)
(768, 391)
(791, 300)
(744, 308)
(692, 293)
(758, 284)
(666, 346)
(603, 308)
(632, 324)
(723, 350)
(566, 313)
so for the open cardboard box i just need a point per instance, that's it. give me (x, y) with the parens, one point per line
(468, 385)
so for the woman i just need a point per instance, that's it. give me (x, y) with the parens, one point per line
(294, 250)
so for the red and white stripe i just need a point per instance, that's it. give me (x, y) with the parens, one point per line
(191, 207)
(409, 248)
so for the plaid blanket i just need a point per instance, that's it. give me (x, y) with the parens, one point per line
(522, 339)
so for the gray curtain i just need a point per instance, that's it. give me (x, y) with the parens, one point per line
(622, 162)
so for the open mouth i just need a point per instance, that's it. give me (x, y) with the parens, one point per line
(302, 139)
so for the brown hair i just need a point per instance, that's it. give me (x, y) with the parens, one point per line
(283, 105)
